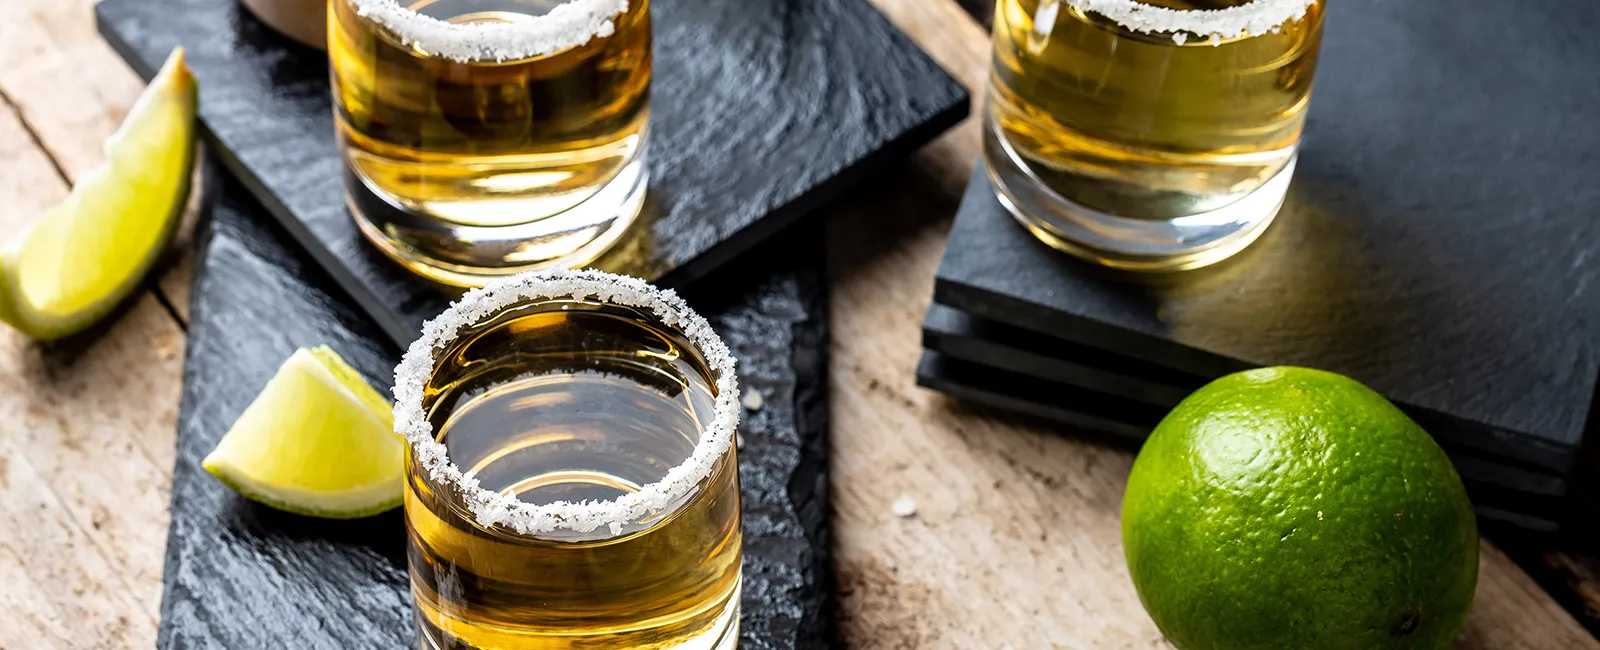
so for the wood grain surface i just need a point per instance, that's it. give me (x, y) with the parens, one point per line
(86, 431)
(1015, 541)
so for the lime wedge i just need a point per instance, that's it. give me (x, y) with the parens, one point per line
(317, 441)
(71, 267)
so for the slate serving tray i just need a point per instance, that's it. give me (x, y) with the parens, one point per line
(761, 111)
(239, 575)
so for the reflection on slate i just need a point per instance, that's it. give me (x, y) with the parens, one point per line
(1490, 349)
(239, 575)
(762, 110)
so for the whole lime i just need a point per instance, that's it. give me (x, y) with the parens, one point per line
(1294, 508)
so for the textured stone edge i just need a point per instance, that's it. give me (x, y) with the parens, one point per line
(810, 337)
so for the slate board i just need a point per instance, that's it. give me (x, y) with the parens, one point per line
(239, 575)
(762, 110)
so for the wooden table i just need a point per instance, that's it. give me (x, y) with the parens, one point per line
(1015, 542)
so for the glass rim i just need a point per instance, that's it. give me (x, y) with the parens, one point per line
(571, 24)
(489, 508)
(1250, 19)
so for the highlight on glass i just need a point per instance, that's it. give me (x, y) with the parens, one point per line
(571, 479)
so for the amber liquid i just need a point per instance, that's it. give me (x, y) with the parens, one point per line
(1140, 126)
(586, 402)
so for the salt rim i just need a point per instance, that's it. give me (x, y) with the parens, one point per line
(569, 25)
(1254, 19)
(493, 508)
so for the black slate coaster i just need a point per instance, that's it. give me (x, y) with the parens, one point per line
(239, 575)
(761, 111)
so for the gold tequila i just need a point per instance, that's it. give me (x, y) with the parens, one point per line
(562, 402)
(1102, 135)
(471, 152)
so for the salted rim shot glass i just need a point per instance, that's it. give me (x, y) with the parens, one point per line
(1148, 135)
(484, 138)
(571, 478)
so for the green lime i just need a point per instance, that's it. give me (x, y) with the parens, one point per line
(317, 441)
(1294, 508)
(71, 267)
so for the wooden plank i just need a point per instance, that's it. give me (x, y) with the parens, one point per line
(59, 592)
(72, 92)
(1017, 539)
(86, 442)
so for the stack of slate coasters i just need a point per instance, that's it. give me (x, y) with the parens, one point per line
(1450, 266)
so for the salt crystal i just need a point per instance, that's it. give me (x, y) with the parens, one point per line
(905, 506)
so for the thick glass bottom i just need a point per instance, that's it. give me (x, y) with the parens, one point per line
(1185, 242)
(446, 251)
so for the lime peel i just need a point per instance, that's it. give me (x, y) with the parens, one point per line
(1296, 508)
(317, 441)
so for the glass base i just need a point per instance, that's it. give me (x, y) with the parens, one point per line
(471, 256)
(722, 635)
(1186, 242)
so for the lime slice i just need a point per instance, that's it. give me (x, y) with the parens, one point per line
(71, 267)
(317, 441)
